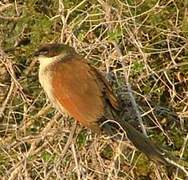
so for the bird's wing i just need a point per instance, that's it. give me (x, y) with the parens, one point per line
(77, 90)
(107, 90)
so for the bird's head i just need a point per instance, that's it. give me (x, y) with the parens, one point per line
(53, 51)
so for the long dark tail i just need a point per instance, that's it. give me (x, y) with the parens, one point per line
(142, 143)
(139, 140)
(146, 146)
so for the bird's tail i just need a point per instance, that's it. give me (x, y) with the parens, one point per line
(144, 144)
(153, 152)
(139, 140)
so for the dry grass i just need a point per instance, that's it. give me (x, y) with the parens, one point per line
(140, 45)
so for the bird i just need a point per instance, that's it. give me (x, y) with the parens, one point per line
(76, 87)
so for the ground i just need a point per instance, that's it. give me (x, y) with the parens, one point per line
(141, 48)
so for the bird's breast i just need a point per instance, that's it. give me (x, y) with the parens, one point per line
(45, 79)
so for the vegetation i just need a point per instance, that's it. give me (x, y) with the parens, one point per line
(141, 43)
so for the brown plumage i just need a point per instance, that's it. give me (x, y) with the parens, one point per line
(80, 89)
(79, 93)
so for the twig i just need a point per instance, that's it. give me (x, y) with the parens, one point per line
(4, 104)
(112, 165)
(182, 151)
(5, 6)
(107, 9)
(76, 162)
(133, 101)
(9, 18)
(69, 141)
(33, 147)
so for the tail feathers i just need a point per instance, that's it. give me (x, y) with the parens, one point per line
(142, 143)
(146, 146)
